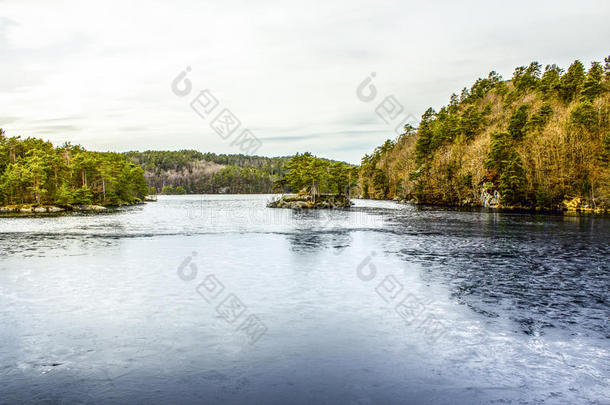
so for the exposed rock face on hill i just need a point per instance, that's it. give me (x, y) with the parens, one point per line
(490, 200)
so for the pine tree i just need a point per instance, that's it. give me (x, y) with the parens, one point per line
(571, 83)
(593, 83)
(584, 115)
(525, 78)
(513, 180)
(470, 122)
(36, 173)
(549, 83)
(464, 95)
(516, 126)
(498, 152)
(423, 144)
(454, 103)
(539, 119)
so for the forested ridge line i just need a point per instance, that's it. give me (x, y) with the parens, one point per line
(194, 172)
(538, 140)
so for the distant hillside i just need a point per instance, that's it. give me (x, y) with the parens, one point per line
(541, 139)
(192, 172)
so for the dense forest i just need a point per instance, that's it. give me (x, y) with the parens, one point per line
(32, 171)
(192, 172)
(540, 139)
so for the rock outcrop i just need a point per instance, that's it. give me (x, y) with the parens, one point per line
(49, 209)
(324, 201)
(490, 200)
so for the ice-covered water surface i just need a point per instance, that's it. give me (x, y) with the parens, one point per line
(217, 299)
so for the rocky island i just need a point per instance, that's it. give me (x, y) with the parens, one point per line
(321, 184)
(306, 201)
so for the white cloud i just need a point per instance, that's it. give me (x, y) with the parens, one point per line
(288, 71)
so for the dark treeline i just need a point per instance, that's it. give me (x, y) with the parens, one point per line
(193, 172)
(33, 171)
(541, 139)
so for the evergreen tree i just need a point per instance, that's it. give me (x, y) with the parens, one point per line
(36, 167)
(593, 83)
(454, 103)
(498, 153)
(539, 119)
(584, 115)
(464, 95)
(550, 81)
(470, 122)
(572, 82)
(516, 126)
(512, 180)
(423, 145)
(526, 78)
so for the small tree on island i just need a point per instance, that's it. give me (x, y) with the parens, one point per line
(313, 175)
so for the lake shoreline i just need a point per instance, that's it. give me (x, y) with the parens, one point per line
(568, 207)
(44, 209)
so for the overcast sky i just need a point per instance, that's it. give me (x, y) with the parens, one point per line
(100, 73)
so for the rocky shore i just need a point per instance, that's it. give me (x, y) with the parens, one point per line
(30, 209)
(49, 209)
(493, 200)
(324, 201)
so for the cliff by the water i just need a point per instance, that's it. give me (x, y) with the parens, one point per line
(539, 140)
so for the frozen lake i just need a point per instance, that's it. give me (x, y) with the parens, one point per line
(217, 299)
